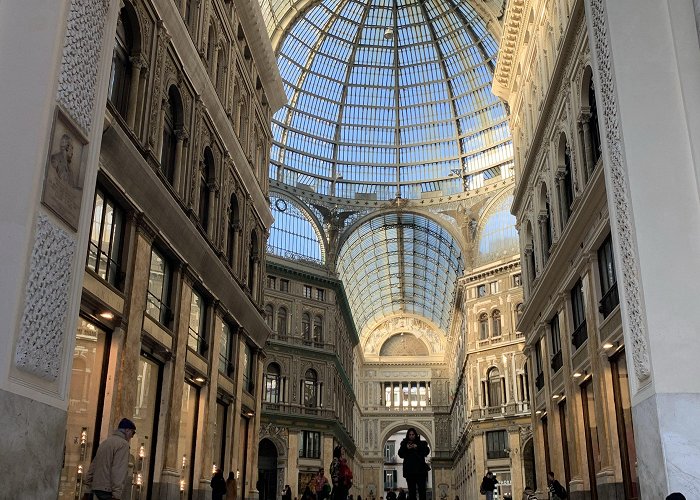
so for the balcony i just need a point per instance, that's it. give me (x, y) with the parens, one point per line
(539, 381)
(610, 301)
(506, 410)
(301, 341)
(580, 335)
(557, 362)
(297, 409)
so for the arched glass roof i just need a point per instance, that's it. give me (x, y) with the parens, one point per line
(293, 235)
(386, 97)
(400, 263)
(498, 237)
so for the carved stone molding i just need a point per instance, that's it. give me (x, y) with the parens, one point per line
(620, 211)
(77, 81)
(43, 329)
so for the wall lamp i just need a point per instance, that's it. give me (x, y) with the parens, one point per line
(610, 345)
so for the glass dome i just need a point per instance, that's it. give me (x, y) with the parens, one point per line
(387, 98)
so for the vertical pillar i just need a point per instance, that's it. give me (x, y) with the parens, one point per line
(663, 348)
(180, 135)
(137, 62)
(57, 88)
(587, 146)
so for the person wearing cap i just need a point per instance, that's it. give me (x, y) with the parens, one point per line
(107, 472)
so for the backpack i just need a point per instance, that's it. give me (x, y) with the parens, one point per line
(345, 475)
(561, 491)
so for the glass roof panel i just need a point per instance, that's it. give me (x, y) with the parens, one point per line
(398, 263)
(392, 95)
(293, 234)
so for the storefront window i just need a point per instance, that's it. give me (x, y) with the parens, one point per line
(186, 441)
(84, 410)
(143, 446)
(220, 435)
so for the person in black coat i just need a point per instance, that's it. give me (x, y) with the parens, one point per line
(218, 485)
(413, 450)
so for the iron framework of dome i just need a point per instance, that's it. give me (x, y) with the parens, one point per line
(387, 98)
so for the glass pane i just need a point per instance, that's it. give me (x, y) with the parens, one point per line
(185, 443)
(145, 412)
(82, 432)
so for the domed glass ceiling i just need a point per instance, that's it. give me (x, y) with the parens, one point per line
(386, 97)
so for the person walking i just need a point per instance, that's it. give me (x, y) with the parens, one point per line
(401, 495)
(413, 450)
(488, 484)
(557, 491)
(218, 485)
(341, 475)
(107, 472)
(231, 486)
(321, 486)
(286, 493)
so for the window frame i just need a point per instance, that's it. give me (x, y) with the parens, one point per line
(113, 254)
(164, 301)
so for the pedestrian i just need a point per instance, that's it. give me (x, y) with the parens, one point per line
(307, 494)
(107, 472)
(391, 495)
(286, 493)
(341, 475)
(218, 485)
(676, 496)
(555, 488)
(321, 486)
(231, 486)
(488, 484)
(401, 495)
(413, 450)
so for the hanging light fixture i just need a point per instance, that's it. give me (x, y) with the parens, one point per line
(389, 33)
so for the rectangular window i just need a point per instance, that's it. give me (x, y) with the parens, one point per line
(496, 444)
(608, 281)
(517, 280)
(225, 350)
(539, 379)
(248, 370)
(320, 294)
(578, 314)
(493, 287)
(159, 279)
(187, 435)
(219, 457)
(307, 291)
(310, 445)
(197, 327)
(481, 291)
(284, 285)
(271, 282)
(557, 360)
(106, 231)
(389, 451)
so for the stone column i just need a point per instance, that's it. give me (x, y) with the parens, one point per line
(180, 135)
(213, 219)
(43, 251)
(583, 119)
(655, 220)
(137, 62)
(563, 205)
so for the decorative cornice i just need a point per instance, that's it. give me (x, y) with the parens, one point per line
(510, 43)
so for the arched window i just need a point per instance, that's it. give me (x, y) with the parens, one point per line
(496, 323)
(310, 388)
(483, 326)
(120, 78)
(567, 195)
(495, 389)
(306, 327)
(253, 261)
(518, 313)
(234, 217)
(318, 329)
(269, 316)
(282, 321)
(272, 383)
(171, 122)
(206, 178)
(211, 49)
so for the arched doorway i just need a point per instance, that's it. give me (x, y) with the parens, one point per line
(529, 472)
(267, 470)
(392, 470)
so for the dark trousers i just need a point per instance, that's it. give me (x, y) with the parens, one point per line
(339, 493)
(102, 495)
(416, 482)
